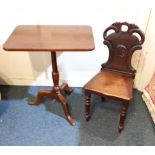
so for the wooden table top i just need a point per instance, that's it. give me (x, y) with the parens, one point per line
(50, 38)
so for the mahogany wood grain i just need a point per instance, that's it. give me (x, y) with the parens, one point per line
(116, 78)
(110, 84)
(50, 38)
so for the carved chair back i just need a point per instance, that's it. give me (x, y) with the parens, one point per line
(122, 44)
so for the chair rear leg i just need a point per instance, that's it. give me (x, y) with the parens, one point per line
(102, 99)
(123, 116)
(87, 106)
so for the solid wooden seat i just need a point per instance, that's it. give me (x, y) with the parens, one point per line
(111, 84)
(115, 80)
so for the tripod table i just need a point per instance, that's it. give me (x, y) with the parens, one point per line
(52, 38)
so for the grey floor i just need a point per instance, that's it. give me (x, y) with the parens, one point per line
(22, 124)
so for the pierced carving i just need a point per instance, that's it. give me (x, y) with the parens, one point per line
(122, 45)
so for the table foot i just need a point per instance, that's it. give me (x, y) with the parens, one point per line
(55, 93)
(66, 88)
(41, 94)
(64, 104)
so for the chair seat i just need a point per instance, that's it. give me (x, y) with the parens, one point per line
(111, 84)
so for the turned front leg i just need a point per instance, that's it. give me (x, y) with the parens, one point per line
(87, 106)
(123, 116)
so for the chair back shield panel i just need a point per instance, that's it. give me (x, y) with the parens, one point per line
(122, 44)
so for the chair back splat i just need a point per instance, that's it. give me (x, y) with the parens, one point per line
(122, 44)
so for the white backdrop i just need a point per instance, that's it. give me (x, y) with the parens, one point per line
(75, 68)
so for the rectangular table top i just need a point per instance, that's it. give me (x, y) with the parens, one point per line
(50, 38)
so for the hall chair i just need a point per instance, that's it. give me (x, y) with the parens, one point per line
(116, 78)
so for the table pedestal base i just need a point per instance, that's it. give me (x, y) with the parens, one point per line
(56, 92)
